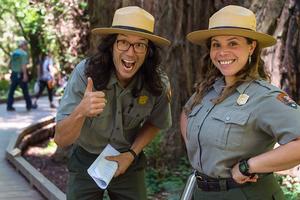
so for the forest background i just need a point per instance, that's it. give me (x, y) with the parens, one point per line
(63, 27)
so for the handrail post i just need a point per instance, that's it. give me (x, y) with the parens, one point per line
(189, 188)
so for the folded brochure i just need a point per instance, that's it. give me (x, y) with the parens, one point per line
(102, 170)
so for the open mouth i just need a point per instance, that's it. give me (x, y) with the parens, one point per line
(128, 64)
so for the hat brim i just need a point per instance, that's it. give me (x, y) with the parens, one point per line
(201, 36)
(160, 41)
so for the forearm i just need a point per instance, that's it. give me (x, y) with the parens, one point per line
(145, 136)
(68, 130)
(282, 158)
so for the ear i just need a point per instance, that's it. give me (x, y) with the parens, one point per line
(252, 47)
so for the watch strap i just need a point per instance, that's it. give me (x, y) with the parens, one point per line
(132, 153)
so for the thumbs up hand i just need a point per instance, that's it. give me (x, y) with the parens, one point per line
(93, 103)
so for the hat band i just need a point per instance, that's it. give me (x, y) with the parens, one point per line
(220, 27)
(133, 29)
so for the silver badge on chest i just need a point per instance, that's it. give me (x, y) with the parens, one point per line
(242, 99)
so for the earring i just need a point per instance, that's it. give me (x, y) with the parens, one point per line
(249, 59)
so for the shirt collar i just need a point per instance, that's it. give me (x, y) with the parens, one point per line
(220, 84)
(114, 80)
(242, 88)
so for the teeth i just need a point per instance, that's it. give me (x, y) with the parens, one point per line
(225, 62)
(129, 61)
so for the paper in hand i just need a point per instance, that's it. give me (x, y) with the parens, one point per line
(102, 170)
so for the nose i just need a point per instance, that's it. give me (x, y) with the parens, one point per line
(130, 51)
(223, 51)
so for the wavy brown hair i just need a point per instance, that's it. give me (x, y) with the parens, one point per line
(251, 71)
(100, 66)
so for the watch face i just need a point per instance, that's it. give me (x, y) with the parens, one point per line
(244, 168)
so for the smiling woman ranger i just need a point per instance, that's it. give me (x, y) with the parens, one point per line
(235, 117)
(119, 96)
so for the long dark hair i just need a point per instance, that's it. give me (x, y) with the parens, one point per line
(251, 71)
(100, 66)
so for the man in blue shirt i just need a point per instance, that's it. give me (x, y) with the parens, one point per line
(19, 75)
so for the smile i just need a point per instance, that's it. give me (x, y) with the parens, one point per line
(226, 62)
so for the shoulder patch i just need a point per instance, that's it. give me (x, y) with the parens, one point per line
(284, 98)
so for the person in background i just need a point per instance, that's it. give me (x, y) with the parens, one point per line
(235, 117)
(19, 75)
(119, 96)
(46, 79)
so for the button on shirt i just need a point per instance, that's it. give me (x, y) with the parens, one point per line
(123, 115)
(218, 136)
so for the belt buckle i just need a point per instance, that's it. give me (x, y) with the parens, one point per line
(199, 177)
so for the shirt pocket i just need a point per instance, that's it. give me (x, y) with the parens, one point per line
(230, 128)
(194, 122)
(134, 117)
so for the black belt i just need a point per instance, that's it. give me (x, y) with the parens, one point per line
(206, 183)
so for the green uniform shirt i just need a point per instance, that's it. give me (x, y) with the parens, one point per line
(18, 58)
(218, 136)
(123, 115)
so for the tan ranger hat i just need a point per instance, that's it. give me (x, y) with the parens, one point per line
(133, 20)
(232, 20)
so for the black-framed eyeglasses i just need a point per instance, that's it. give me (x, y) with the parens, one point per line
(139, 47)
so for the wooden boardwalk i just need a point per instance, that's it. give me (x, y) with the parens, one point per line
(13, 186)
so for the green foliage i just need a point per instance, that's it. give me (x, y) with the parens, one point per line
(52, 26)
(83, 5)
(153, 149)
(4, 85)
(167, 182)
(290, 186)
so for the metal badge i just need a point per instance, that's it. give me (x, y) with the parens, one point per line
(143, 100)
(243, 98)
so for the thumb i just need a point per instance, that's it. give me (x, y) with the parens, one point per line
(111, 158)
(90, 85)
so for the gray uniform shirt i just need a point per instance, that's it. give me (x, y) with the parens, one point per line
(218, 136)
(123, 115)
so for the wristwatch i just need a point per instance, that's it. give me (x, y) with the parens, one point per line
(244, 168)
(132, 153)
